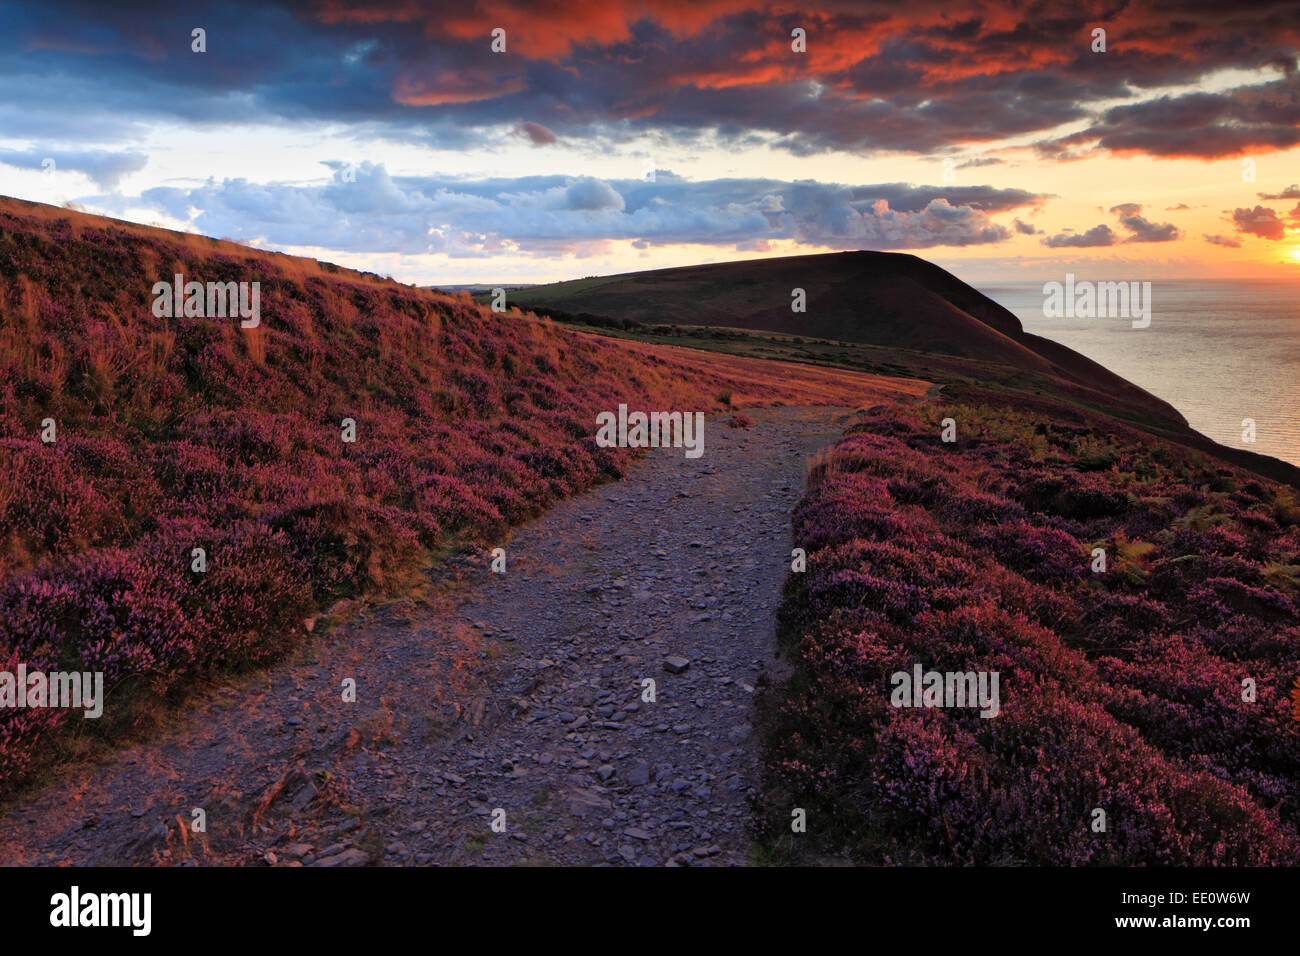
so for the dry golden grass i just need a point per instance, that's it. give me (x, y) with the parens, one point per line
(750, 381)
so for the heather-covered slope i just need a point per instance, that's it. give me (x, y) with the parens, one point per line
(1155, 688)
(185, 433)
(502, 683)
(879, 298)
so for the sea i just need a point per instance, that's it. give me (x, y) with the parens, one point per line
(1219, 351)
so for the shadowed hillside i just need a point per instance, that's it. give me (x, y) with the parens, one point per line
(878, 298)
(881, 312)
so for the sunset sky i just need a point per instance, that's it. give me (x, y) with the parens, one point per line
(389, 136)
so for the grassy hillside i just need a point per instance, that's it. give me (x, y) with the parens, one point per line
(184, 433)
(980, 379)
(873, 298)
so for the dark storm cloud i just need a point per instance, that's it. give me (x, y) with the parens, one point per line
(1203, 125)
(876, 76)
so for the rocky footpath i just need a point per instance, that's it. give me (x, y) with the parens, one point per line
(498, 718)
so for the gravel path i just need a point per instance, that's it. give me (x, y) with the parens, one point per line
(518, 697)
